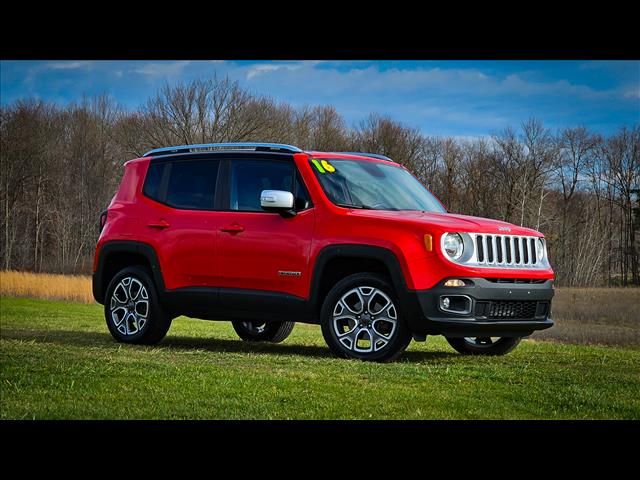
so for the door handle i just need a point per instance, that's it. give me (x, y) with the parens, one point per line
(160, 224)
(233, 228)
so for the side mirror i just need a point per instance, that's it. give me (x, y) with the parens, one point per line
(277, 201)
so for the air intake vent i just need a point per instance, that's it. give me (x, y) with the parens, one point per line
(503, 309)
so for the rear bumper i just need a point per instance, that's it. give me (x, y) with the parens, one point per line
(484, 307)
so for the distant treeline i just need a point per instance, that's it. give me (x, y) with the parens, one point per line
(61, 167)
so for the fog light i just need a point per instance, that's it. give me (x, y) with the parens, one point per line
(454, 282)
(457, 304)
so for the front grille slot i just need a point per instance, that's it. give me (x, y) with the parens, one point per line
(480, 249)
(505, 309)
(508, 250)
(505, 250)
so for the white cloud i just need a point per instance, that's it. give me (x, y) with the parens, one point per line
(162, 69)
(633, 92)
(370, 79)
(432, 98)
(516, 84)
(67, 65)
(262, 68)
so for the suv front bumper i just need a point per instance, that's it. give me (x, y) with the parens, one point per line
(485, 307)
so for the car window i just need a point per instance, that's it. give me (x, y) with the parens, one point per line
(192, 184)
(250, 177)
(152, 181)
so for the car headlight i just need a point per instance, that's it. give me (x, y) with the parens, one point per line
(540, 249)
(453, 246)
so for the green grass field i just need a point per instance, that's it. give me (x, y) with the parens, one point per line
(58, 361)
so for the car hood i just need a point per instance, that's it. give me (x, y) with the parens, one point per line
(449, 222)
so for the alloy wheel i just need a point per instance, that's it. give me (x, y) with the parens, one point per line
(364, 319)
(129, 306)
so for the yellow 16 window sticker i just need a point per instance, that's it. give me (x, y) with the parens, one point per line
(323, 166)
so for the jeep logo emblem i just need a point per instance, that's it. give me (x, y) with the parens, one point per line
(504, 229)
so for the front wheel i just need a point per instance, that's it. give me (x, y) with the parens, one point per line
(258, 331)
(361, 318)
(484, 345)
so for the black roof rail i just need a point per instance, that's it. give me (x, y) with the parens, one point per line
(258, 147)
(372, 155)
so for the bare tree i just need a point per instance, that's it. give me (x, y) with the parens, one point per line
(622, 154)
(576, 149)
(385, 136)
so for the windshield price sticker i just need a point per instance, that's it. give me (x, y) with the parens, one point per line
(323, 166)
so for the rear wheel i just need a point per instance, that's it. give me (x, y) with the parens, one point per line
(259, 331)
(361, 319)
(484, 345)
(132, 310)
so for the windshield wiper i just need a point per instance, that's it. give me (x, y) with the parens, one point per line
(350, 205)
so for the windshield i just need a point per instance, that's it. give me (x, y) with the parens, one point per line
(372, 185)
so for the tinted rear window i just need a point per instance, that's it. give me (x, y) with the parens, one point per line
(152, 181)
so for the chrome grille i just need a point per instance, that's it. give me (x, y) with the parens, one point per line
(504, 251)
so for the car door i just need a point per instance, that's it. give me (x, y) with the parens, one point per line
(259, 250)
(182, 223)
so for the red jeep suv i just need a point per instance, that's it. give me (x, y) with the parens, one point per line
(265, 235)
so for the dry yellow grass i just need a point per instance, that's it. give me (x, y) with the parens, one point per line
(595, 315)
(74, 288)
(598, 305)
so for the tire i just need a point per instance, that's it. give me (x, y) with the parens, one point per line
(257, 331)
(479, 345)
(345, 325)
(124, 298)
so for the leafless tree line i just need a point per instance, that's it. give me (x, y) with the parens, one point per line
(61, 167)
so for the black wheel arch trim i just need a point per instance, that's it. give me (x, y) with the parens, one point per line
(99, 286)
(387, 257)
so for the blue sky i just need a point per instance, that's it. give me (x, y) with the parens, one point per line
(459, 98)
